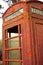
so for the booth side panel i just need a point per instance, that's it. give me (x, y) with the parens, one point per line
(38, 40)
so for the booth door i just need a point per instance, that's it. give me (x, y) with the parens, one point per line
(14, 46)
(37, 27)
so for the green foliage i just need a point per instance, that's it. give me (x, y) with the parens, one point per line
(0, 62)
(0, 43)
(14, 1)
(0, 6)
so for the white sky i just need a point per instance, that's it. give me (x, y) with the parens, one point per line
(5, 5)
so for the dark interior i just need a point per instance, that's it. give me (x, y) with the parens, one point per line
(15, 1)
(13, 29)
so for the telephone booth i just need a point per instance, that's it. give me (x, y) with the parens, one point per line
(23, 34)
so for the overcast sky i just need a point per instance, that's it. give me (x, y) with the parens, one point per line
(5, 5)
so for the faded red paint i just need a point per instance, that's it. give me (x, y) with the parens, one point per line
(31, 33)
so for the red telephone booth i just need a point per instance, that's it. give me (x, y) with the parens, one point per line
(23, 34)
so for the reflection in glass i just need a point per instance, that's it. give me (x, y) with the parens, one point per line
(37, 11)
(13, 43)
(14, 54)
(14, 63)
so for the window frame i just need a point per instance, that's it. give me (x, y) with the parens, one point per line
(19, 48)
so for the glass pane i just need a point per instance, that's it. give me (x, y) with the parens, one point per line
(37, 11)
(14, 63)
(14, 34)
(14, 54)
(13, 15)
(13, 43)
